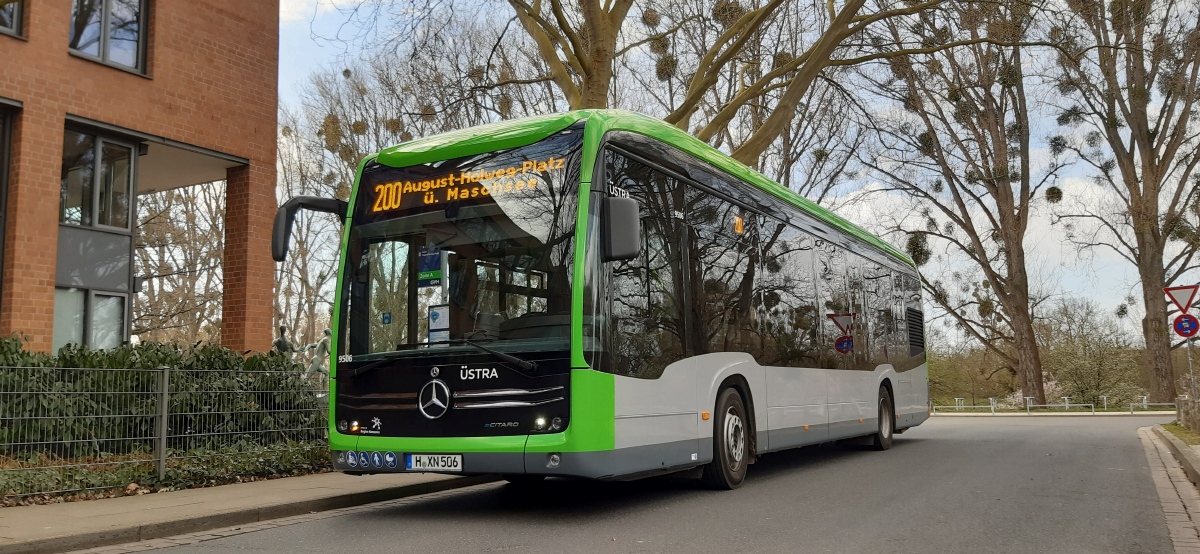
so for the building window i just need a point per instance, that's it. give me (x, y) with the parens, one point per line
(10, 16)
(110, 31)
(97, 181)
(108, 321)
(98, 316)
(68, 316)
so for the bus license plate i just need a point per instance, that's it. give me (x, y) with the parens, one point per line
(433, 462)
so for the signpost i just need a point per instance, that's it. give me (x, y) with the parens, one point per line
(1186, 325)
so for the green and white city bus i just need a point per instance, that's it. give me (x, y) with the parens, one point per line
(598, 294)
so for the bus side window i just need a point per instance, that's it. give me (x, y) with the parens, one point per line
(879, 301)
(646, 294)
(860, 306)
(788, 308)
(722, 264)
(833, 297)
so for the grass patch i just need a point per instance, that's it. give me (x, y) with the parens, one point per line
(1182, 433)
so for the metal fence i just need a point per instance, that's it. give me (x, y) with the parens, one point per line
(993, 407)
(65, 430)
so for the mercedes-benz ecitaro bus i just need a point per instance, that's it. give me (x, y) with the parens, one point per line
(598, 294)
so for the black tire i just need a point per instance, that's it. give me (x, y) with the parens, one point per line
(882, 439)
(524, 480)
(731, 443)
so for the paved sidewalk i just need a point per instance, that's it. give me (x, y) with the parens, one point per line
(1178, 497)
(91, 523)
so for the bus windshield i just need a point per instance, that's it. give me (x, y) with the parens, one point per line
(477, 248)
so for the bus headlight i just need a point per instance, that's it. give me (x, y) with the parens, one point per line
(343, 426)
(353, 426)
(539, 423)
(553, 460)
(556, 424)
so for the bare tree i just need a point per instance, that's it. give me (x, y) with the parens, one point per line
(960, 151)
(579, 45)
(1129, 75)
(1088, 355)
(180, 242)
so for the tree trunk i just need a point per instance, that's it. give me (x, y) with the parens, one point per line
(1155, 328)
(1029, 361)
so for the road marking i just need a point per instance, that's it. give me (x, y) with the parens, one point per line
(212, 534)
(1177, 495)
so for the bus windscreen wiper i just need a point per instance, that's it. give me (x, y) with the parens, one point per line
(523, 364)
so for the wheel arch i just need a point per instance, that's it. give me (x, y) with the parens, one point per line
(738, 383)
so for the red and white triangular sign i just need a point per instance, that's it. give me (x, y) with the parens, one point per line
(843, 321)
(1182, 296)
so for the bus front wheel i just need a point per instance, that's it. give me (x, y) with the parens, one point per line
(882, 439)
(731, 443)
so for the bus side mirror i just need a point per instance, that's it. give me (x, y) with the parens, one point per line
(281, 234)
(621, 232)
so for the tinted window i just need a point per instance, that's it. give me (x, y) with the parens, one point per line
(473, 248)
(833, 298)
(646, 331)
(881, 313)
(788, 309)
(861, 310)
(898, 342)
(722, 263)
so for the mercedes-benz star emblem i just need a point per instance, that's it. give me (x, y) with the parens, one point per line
(434, 399)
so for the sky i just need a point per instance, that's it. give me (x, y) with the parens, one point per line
(305, 45)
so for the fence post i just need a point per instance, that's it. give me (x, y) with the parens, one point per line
(163, 401)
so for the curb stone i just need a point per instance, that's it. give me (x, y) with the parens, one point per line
(1188, 458)
(136, 533)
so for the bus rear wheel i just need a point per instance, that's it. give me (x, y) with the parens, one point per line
(731, 443)
(882, 439)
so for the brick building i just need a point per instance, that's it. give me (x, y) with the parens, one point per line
(101, 100)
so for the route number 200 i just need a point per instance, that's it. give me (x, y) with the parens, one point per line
(387, 196)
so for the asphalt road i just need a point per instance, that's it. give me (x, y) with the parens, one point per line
(1045, 485)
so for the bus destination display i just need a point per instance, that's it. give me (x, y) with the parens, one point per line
(463, 185)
